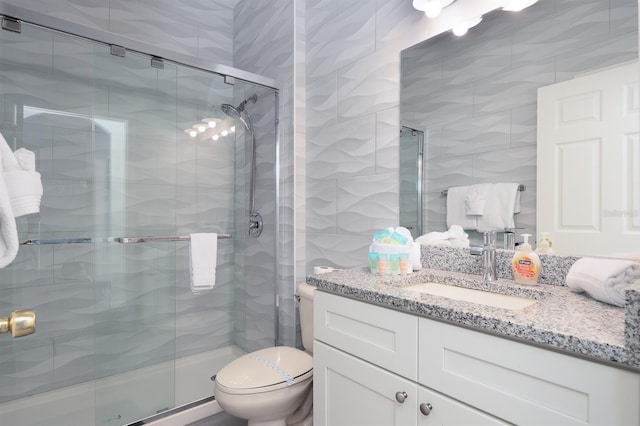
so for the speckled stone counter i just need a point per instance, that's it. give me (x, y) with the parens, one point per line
(560, 319)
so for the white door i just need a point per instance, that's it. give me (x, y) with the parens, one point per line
(350, 392)
(588, 193)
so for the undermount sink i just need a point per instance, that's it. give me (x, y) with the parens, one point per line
(463, 294)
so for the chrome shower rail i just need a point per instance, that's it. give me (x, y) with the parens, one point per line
(121, 240)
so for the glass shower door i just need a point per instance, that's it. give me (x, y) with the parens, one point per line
(120, 335)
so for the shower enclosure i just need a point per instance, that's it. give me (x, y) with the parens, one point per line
(131, 145)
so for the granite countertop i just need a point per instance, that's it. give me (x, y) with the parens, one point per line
(561, 319)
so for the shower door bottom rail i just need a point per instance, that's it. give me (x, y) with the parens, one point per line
(121, 240)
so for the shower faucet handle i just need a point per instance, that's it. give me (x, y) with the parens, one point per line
(255, 224)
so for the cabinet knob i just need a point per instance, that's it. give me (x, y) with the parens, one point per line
(401, 397)
(425, 408)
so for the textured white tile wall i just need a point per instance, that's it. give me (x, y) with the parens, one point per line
(198, 28)
(353, 72)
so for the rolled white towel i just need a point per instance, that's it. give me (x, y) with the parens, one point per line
(603, 279)
(433, 237)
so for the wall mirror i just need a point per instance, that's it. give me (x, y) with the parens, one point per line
(475, 99)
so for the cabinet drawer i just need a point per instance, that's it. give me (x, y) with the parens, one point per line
(524, 384)
(382, 336)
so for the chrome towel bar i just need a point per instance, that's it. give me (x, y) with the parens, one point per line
(121, 240)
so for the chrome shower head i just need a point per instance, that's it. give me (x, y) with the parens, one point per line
(230, 110)
(237, 112)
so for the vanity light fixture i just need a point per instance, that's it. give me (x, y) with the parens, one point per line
(518, 5)
(431, 8)
(462, 28)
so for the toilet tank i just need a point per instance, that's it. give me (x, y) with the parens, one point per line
(305, 291)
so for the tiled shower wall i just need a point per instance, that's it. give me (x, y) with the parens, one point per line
(269, 40)
(476, 96)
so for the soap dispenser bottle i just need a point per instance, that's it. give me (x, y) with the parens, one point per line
(525, 263)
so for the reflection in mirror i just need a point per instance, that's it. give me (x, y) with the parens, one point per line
(475, 97)
(411, 175)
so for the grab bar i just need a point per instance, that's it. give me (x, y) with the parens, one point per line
(121, 240)
(521, 188)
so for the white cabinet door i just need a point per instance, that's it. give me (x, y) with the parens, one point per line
(444, 411)
(524, 384)
(589, 162)
(352, 392)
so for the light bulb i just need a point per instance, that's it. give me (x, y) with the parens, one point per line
(215, 137)
(420, 4)
(212, 124)
(433, 8)
(462, 28)
(518, 5)
(201, 128)
(232, 129)
(224, 133)
(192, 133)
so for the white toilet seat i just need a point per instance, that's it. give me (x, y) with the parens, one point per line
(265, 370)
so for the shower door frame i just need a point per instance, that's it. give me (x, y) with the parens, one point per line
(229, 74)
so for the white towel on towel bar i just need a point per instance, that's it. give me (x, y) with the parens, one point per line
(501, 203)
(203, 253)
(476, 199)
(456, 210)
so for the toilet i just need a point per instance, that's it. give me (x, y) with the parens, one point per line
(272, 386)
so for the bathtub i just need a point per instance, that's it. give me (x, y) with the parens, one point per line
(126, 398)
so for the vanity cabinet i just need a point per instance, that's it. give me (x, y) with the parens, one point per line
(377, 366)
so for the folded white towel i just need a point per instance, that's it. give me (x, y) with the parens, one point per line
(203, 252)
(456, 210)
(454, 237)
(8, 230)
(476, 199)
(603, 279)
(502, 202)
(25, 191)
(23, 183)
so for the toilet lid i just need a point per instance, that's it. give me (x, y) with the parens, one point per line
(280, 365)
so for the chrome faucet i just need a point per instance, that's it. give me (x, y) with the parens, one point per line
(509, 238)
(488, 253)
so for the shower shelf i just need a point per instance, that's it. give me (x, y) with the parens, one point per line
(121, 240)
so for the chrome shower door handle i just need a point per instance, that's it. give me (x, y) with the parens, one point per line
(21, 322)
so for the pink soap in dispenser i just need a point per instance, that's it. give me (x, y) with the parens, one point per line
(525, 263)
